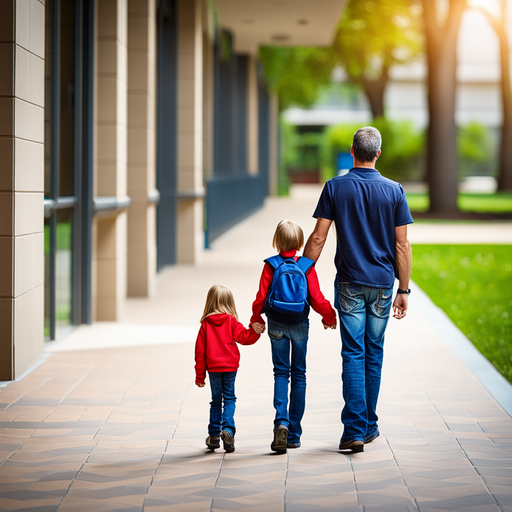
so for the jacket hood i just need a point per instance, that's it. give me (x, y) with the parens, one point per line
(217, 319)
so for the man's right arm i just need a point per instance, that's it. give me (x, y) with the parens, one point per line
(404, 266)
(317, 239)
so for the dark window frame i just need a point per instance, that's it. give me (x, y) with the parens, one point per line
(81, 201)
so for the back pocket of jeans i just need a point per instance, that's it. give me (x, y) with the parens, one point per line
(300, 332)
(382, 306)
(347, 294)
(275, 332)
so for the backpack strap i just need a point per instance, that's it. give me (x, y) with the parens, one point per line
(305, 264)
(275, 261)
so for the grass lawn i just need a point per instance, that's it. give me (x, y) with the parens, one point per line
(499, 202)
(473, 286)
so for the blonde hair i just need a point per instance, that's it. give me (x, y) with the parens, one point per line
(219, 300)
(288, 236)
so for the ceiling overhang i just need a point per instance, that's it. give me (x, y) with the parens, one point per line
(279, 22)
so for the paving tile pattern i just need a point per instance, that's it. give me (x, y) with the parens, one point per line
(123, 429)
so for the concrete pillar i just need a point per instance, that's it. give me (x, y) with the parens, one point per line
(142, 147)
(252, 115)
(21, 185)
(190, 235)
(208, 104)
(274, 143)
(110, 169)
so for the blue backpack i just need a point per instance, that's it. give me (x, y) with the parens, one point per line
(289, 289)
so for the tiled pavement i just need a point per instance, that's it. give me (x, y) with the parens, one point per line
(123, 427)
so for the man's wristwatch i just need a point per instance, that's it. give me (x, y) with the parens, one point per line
(408, 291)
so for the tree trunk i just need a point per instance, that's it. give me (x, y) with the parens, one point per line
(442, 163)
(505, 152)
(505, 170)
(374, 90)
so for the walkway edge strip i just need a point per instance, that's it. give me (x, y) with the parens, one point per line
(39, 362)
(490, 378)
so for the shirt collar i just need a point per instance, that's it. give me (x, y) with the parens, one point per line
(364, 169)
(288, 254)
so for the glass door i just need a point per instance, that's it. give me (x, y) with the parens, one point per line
(66, 158)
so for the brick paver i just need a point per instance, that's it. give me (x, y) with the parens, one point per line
(119, 425)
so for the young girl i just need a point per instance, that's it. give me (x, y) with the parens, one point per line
(289, 330)
(216, 351)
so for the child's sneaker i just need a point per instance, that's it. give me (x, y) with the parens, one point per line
(213, 442)
(280, 439)
(228, 440)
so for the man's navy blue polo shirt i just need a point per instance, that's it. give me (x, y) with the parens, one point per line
(365, 208)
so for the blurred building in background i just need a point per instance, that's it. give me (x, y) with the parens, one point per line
(132, 134)
(478, 95)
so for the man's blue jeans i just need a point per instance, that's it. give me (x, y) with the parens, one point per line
(222, 406)
(283, 338)
(364, 314)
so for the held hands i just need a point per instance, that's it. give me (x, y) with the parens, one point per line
(327, 326)
(400, 305)
(258, 328)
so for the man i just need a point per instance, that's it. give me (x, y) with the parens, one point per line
(370, 214)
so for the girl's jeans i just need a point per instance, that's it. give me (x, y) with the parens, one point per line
(283, 338)
(222, 406)
(364, 314)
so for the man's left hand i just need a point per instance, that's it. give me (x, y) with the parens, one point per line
(258, 328)
(400, 305)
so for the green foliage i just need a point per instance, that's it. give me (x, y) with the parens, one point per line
(418, 201)
(287, 156)
(303, 149)
(299, 151)
(475, 149)
(499, 202)
(374, 35)
(64, 240)
(226, 50)
(402, 148)
(297, 75)
(472, 284)
(337, 139)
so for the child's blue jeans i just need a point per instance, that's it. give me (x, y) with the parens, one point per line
(285, 339)
(222, 406)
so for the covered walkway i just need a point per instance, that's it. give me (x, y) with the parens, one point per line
(112, 419)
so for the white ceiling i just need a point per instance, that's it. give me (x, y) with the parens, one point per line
(279, 22)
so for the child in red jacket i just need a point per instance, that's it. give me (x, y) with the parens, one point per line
(217, 353)
(288, 332)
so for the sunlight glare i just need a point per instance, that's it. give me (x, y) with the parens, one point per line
(491, 6)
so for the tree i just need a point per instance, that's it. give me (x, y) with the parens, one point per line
(373, 36)
(499, 26)
(442, 165)
(296, 74)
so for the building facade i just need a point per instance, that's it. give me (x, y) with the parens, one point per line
(132, 134)
(478, 91)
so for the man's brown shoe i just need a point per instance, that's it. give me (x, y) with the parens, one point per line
(352, 444)
(228, 440)
(213, 442)
(280, 439)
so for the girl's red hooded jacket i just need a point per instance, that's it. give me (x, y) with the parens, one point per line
(216, 350)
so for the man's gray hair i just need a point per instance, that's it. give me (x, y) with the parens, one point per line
(367, 142)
